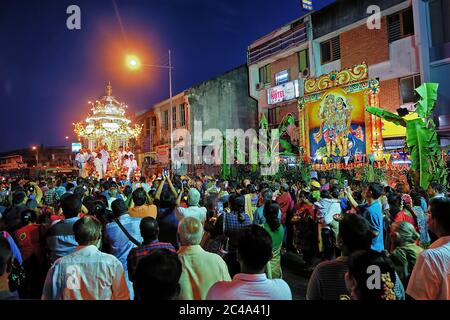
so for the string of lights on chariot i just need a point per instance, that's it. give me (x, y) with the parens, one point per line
(107, 124)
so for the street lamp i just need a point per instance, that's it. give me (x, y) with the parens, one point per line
(34, 148)
(134, 63)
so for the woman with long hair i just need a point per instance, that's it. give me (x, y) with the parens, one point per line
(400, 208)
(357, 278)
(276, 231)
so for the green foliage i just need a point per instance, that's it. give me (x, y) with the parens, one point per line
(386, 115)
(428, 97)
(421, 137)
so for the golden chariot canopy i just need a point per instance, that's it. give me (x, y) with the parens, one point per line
(107, 124)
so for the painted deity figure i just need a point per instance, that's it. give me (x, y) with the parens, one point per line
(327, 126)
(343, 118)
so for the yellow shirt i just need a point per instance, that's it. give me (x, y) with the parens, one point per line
(143, 211)
(201, 270)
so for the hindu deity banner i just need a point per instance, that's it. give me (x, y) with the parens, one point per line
(332, 119)
(337, 124)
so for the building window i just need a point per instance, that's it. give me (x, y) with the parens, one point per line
(182, 115)
(407, 87)
(282, 77)
(147, 126)
(174, 117)
(264, 74)
(303, 60)
(400, 25)
(153, 122)
(166, 120)
(439, 22)
(330, 50)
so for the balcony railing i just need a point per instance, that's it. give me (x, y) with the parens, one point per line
(282, 42)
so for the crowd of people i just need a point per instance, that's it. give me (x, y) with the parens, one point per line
(203, 238)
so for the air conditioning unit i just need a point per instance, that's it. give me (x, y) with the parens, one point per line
(304, 73)
(259, 86)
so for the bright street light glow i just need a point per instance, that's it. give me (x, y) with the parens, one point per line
(132, 62)
(34, 147)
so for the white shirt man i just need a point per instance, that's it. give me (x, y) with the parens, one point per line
(430, 278)
(105, 158)
(131, 167)
(98, 164)
(87, 273)
(120, 155)
(80, 159)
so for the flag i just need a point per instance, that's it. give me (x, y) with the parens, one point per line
(371, 158)
(387, 157)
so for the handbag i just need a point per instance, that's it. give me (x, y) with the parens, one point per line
(219, 244)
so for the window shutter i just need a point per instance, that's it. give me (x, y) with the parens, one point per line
(394, 28)
(336, 48)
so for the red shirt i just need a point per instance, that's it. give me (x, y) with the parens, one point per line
(303, 209)
(402, 216)
(30, 240)
(286, 204)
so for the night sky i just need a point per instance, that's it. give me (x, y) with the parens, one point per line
(48, 73)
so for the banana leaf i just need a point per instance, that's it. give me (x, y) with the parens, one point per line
(225, 167)
(419, 140)
(263, 123)
(427, 101)
(386, 115)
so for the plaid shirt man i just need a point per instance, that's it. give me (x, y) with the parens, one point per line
(139, 252)
(51, 197)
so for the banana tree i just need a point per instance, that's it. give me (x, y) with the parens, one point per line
(421, 136)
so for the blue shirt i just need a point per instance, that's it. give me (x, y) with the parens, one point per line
(258, 216)
(168, 226)
(373, 214)
(345, 204)
(120, 244)
(60, 191)
(60, 238)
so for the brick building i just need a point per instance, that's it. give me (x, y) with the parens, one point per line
(334, 38)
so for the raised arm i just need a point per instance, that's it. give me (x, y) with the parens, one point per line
(171, 187)
(38, 192)
(159, 190)
(349, 194)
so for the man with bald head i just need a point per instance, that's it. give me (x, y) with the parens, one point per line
(201, 269)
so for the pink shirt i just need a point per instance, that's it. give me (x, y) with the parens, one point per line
(430, 279)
